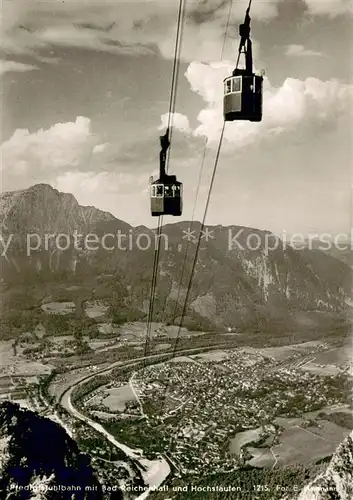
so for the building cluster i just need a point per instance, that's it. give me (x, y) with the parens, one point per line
(203, 405)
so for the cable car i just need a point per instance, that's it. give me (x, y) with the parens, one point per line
(166, 192)
(166, 196)
(243, 89)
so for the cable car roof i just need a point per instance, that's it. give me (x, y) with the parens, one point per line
(168, 179)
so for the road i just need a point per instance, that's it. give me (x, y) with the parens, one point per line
(131, 383)
(153, 472)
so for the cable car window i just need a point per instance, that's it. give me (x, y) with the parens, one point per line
(236, 84)
(228, 86)
(160, 190)
(153, 191)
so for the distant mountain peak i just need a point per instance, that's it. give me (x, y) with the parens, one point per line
(42, 185)
(41, 208)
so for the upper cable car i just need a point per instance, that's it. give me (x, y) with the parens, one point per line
(243, 90)
(167, 191)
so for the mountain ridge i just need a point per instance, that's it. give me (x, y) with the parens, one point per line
(235, 284)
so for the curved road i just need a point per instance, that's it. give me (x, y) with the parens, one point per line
(156, 471)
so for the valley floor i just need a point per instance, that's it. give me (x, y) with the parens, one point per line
(268, 408)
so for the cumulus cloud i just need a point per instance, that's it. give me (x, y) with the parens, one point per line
(69, 182)
(38, 156)
(331, 8)
(296, 103)
(115, 26)
(7, 66)
(301, 51)
(69, 157)
(99, 148)
(119, 27)
(122, 194)
(178, 121)
(205, 39)
(92, 183)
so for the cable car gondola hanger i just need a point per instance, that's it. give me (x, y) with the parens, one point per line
(166, 192)
(243, 90)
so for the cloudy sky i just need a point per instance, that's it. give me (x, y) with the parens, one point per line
(86, 87)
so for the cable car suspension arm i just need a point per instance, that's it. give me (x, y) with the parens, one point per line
(245, 46)
(165, 143)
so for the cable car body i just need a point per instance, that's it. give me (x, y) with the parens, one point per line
(166, 196)
(242, 98)
(166, 193)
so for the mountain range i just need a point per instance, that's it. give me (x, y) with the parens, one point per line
(240, 279)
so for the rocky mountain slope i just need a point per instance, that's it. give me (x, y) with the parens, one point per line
(244, 277)
(38, 460)
(337, 481)
(342, 249)
(43, 209)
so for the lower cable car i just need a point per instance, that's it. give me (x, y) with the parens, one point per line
(243, 90)
(166, 192)
(166, 196)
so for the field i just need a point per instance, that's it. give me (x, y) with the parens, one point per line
(182, 359)
(262, 457)
(242, 438)
(285, 352)
(112, 399)
(103, 415)
(301, 445)
(330, 361)
(12, 364)
(107, 329)
(211, 356)
(115, 398)
(338, 356)
(103, 344)
(321, 370)
(137, 330)
(161, 347)
(61, 340)
(95, 344)
(95, 309)
(311, 356)
(59, 307)
(17, 373)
